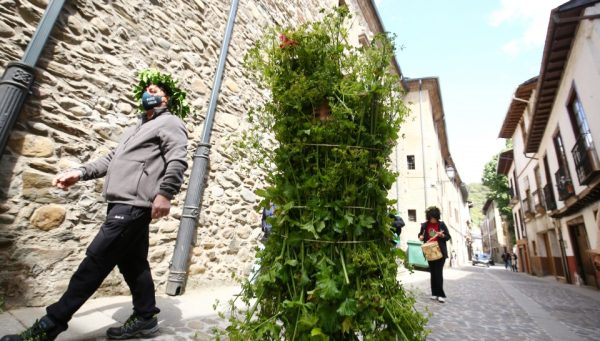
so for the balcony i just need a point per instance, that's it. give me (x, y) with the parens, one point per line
(586, 159)
(514, 199)
(564, 185)
(549, 196)
(538, 201)
(527, 208)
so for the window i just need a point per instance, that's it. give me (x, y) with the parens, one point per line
(517, 193)
(363, 40)
(538, 199)
(410, 161)
(561, 155)
(412, 215)
(564, 185)
(577, 116)
(527, 200)
(522, 225)
(527, 207)
(587, 163)
(538, 177)
(511, 189)
(548, 189)
(517, 229)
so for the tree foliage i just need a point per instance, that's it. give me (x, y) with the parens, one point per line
(328, 270)
(478, 194)
(498, 186)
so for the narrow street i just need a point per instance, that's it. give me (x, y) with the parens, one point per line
(497, 304)
(482, 304)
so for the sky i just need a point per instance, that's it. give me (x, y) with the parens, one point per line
(480, 50)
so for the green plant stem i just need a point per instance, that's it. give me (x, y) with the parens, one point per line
(344, 266)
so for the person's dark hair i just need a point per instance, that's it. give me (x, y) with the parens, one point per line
(432, 212)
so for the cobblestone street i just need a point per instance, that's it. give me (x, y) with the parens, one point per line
(482, 304)
(497, 304)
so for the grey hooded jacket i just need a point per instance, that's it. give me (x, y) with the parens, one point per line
(149, 160)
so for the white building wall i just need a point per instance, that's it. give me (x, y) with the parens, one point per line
(427, 184)
(582, 73)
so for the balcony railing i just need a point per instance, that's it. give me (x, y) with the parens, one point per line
(586, 159)
(549, 196)
(514, 198)
(564, 185)
(528, 207)
(538, 201)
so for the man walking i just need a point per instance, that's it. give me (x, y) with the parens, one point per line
(142, 174)
(506, 259)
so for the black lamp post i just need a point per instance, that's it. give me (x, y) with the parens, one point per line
(18, 77)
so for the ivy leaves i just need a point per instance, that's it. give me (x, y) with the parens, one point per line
(177, 97)
(324, 138)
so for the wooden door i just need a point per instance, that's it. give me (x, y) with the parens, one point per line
(581, 245)
(549, 256)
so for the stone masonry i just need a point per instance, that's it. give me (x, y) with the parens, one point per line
(82, 102)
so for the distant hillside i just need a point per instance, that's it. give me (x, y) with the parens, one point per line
(477, 195)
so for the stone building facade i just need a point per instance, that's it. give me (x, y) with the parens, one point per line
(81, 103)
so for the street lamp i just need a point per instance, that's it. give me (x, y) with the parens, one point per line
(450, 171)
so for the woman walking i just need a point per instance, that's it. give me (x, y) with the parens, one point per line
(435, 230)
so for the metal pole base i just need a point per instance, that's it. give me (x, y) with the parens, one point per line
(176, 283)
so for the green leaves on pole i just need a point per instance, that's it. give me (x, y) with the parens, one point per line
(324, 137)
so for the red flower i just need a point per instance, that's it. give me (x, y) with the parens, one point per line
(285, 41)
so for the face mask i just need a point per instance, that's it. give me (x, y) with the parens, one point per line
(149, 101)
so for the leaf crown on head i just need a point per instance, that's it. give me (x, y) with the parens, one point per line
(177, 98)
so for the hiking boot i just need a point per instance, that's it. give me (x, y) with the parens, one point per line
(43, 329)
(134, 327)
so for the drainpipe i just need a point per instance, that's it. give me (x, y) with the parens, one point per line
(186, 235)
(563, 251)
(18, 77)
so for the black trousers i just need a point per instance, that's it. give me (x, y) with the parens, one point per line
(122, 241)
(436, 269)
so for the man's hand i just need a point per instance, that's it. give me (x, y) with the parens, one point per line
(66, 179)
(160, 207)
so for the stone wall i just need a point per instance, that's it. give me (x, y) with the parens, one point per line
(80, 105)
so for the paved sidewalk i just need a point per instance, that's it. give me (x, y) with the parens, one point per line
(187, 317)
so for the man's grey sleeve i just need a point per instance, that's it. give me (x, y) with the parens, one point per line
(98, 168)
(174, 140)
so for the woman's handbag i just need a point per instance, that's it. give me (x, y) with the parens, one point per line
(432, 251)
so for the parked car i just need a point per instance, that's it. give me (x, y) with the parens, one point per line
(482, 258)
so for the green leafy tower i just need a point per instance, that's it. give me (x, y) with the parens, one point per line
(328, 270)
